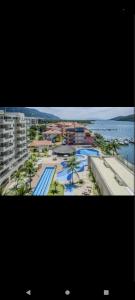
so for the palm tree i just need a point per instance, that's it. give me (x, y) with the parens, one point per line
(29, 170)
(114, 146)
(18, 177)
(72, 164)
(107, 148)
(45, 151)
(33, 157)
(99, 136)
(21, 191)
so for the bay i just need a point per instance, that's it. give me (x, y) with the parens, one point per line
(119, 129)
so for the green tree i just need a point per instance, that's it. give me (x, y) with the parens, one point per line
(40, 138)
(114, 146)
(18, 177)
(22, 190)
(32, 134)
(29, 166)
(42, 127)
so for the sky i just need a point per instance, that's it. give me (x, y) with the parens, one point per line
(87, 112)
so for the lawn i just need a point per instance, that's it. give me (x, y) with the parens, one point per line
(60, 190)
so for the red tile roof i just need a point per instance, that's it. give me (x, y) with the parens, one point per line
(41, 143)
(52, 131)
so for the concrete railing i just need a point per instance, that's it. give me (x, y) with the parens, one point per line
(125, 162)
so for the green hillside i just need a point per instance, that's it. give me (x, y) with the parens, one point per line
(30, 112)
(130, 118)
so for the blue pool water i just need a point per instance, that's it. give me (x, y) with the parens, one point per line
(81, 157)
(92, 152)
(44, 182)
(69, 189)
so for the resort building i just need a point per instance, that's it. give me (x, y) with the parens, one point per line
(30, 121)
(13, 144)
(78, 136)
(52, 135)
(112, 176)
(40, 145)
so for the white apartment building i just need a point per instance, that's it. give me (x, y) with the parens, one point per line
(13, 144)
(30, 121)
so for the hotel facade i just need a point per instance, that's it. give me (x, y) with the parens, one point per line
(13, 144)
(31, 121)
(78, 136)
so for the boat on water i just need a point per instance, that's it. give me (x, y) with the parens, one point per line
(121, 143)
(126, 141)
(132, 141)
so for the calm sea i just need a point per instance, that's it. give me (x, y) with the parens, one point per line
(121, 129)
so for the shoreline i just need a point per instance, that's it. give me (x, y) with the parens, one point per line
(126, 151)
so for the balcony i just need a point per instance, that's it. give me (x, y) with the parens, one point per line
(6, 156)
(4, 165)
(20, 132)
(20, 147)
(6, 130)
(4, 148)
(21, 122)
(21, 125)
(5, 139)
(21, 141)
(6, 121)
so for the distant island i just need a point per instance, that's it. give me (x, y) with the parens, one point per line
(130, 118)
(30, 112)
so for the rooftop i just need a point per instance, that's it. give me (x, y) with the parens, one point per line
(108, 175)
(64, 149)
(40, 143)
(51, 131)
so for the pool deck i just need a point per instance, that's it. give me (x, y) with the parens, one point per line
(81, 189)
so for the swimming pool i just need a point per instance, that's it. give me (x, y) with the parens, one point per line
(91, 152)
(44, 182)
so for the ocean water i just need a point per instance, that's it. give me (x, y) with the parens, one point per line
(121, 129)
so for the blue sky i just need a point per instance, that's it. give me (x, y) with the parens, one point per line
(87, 112)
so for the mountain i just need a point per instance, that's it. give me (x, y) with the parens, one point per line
(125, 118)
(30, 112)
